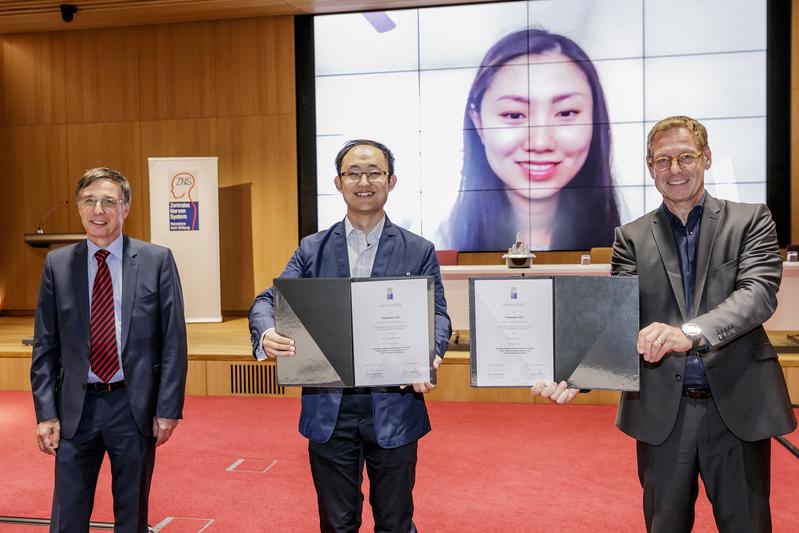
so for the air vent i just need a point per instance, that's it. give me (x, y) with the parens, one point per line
(255, 379)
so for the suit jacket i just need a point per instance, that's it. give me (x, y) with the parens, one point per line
(399, 418)
(153, 341)
(738, 272)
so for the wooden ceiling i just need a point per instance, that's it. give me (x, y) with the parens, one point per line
(22, 16)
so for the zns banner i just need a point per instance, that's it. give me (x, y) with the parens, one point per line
(184, 216)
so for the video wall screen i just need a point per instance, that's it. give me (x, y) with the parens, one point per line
(532, 117)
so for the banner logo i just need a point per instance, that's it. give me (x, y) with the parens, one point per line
(184, 211)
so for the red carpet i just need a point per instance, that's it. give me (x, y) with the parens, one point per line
(484, 467)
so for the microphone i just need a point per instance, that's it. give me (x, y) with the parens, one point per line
(39, 229)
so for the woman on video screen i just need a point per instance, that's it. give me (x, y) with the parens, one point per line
(536, 149)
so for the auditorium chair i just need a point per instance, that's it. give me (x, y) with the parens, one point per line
(447, 257)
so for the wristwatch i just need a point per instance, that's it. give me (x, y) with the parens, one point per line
(693, 332)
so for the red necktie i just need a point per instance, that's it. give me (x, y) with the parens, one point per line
(102, 329)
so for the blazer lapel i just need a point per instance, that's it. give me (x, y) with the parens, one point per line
(339, 241)
(80, 280)
(384, 249)
(130, 275)
(661, 230)
(711, 215)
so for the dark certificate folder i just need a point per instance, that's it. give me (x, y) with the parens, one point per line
(588, 338)
(393, 342)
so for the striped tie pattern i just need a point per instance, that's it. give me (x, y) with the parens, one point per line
(102, 330)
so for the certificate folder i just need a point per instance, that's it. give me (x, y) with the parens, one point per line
(578, 329)
(356, 332)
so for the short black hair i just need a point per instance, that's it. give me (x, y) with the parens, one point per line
(359, 142)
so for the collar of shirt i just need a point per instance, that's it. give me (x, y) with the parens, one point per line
(372, 237)
(693, 217)
(114, 249)
(361, 248)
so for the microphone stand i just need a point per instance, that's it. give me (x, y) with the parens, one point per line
(39, 229)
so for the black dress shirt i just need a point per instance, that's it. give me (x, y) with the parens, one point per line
(686, 238)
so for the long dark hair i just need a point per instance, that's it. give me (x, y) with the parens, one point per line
(587, 212)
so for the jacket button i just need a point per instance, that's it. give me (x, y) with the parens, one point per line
(677, 377)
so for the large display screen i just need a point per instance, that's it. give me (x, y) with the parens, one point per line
(532, 117)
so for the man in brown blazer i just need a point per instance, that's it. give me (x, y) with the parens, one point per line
(712, 391)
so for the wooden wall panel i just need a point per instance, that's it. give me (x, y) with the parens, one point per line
(235, 247)
(255, 66)
(102, 75)
(196, 381)
(141, 92)
(32, 162)
(116, 145)
(15, 373)
(32, 90)
(177, 73)
(262, 150)
(179, 138)
(795, 122)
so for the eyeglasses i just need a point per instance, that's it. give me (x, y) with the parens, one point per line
(105, 203)
(685, 161)
(371, 175)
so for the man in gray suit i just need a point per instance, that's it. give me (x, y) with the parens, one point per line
(712, 391)
(109, 363)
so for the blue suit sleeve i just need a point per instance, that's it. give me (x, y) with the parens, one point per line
(442, 321)
(262, 312)
(45, 360)
(174, 351)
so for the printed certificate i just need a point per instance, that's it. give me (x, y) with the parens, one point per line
(390, 331)
(512, 331)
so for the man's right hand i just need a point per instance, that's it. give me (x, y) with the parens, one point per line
(556, 392)
(48, 435)
(277, 345)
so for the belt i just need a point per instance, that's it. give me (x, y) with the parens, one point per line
(105, 387)
(697, 393)
(367, 390)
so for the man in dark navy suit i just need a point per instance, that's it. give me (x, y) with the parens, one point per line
(109, 363)
(378, 425)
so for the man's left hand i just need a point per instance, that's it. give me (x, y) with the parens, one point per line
(426, 386)
(657, 339)
(163, 428)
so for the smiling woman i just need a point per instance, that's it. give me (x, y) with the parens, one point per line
(536, 150)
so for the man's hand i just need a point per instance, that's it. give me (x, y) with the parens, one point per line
(426, 386)
(657, 339)
(48, 435)
(163, 428)
(557, 392)
(277, 345)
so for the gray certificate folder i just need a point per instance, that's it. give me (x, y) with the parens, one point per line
(594, 330)
(317, 313)
(596, 326)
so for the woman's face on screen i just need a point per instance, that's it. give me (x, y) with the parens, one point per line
(535, 121)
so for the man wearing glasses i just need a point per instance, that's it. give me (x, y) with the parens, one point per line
(109, 362)
(378, 425)
(712, 392)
